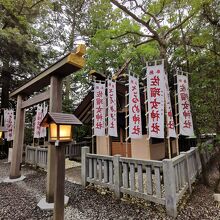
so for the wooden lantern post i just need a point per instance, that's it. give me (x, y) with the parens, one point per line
(60, 130)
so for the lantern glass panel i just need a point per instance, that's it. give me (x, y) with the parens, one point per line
(1, 134)
(65, 132)
(53, 132)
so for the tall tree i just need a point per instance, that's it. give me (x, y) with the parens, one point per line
(157, 20)
(20, 57)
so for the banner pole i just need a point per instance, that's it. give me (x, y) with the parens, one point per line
(176, 115)
(126, 123)
(146, 108)
(93, 126)
(167, 137)
(106, 118)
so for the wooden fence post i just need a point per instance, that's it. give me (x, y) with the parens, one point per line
(170, 187)
(117, 176)
(187, 170)
(84, 167)
(198, 160)
(36, 157)
(26, 150)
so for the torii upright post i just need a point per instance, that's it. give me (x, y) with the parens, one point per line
(15, 171)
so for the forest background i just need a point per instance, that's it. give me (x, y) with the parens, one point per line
(35, 33)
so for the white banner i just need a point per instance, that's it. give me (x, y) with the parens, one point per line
(155, 94)
(99, 109)
(169, 122)
(9, 124)
(112, 109)
(185, 116)
(38, 119)
(135, 125)
(43, 130)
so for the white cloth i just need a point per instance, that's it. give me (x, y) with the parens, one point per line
(169, 121)
(43, 130)
(38, 119)
(135, 125)
(9, 124)
(155, 94)
(185, 115)
(99, 109)
(112, 109)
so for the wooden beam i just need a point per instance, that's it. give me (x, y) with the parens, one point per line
(36, 99)
(68, 64)
(122, 69)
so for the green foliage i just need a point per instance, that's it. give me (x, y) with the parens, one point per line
(81, 132)
(204, 146)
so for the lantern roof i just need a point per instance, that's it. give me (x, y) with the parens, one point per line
(3, 129)
(60, 118)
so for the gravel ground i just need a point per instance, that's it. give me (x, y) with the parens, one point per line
(19, 201)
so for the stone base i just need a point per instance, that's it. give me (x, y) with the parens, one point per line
(42, 204)
(217, 197)
(8, 180)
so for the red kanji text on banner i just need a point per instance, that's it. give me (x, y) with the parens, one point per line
(170, 121)
(155, 94)
(135, 125)
(112, 109)
(185, 115)
(99, 109)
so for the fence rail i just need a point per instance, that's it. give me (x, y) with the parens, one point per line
(37, 155)
(162, 182)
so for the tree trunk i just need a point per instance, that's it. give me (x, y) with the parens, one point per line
(205, 178)
(5, 80)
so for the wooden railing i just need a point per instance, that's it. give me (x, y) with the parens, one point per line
(142, 179)
(37, 155)
(74, 149)
(162, 182)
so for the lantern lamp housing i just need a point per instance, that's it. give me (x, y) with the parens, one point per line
(60, 126)
(2, 130)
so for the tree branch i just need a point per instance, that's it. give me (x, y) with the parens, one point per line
(35, 4)
(144, 42)
(202, 47)
(163, 4)
(14, 19)
(206, 13)
(22, 6)
(146, 24)
(131, 32)
(148, 13)
(178, 25)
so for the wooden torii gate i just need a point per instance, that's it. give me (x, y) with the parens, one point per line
(52, 76)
